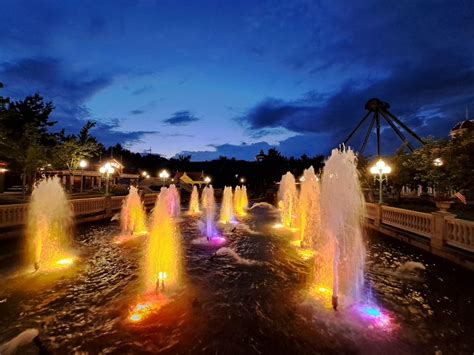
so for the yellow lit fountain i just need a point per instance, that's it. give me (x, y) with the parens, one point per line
(240, 201)
(194, 201)
(132, 216)
(227, 208)
(161, 268)
(288, 200)
(309, 214)
(49, 226)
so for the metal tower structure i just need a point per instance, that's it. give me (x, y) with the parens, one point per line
(379, 110)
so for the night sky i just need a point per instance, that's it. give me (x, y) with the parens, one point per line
(232, 77)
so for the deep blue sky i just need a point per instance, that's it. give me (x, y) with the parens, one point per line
(231, 77)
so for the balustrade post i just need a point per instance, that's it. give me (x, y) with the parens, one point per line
(438, 235)
(378, 215)
(108, 205)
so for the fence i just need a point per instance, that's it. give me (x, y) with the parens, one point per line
(99, 207)
(438, 232)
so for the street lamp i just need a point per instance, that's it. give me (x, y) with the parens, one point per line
(144, 174)
(207, 180)
(106, 170)
(82, 164)
(242, 180)
(438, 162)
(380, 171)
(164, 175)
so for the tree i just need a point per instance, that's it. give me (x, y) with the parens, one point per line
(71, 149)
(25, 140)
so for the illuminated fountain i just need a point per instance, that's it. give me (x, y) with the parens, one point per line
(237, 193)
(244, 201)
(132, 216)
(49, 226)
(341, 251)
(227, 208)
(161, 270)
(163, 250)
(309, 209)
(194, 201)
(173, 200)
(209, 207)
(288, 200)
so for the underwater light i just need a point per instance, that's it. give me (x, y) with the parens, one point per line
(65, 261)
(278, 225)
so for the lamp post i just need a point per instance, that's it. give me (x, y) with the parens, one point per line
(106, 170)
(242, 180)
(82, 164)
(164, 175)
(380, 171)
(207, 180)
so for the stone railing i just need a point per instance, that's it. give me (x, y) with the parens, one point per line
(412, 221)
(460, 233)
(13, 215)
(439, 232)
(84, 208)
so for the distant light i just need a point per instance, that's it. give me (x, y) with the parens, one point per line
(242, 180)
(207, 179)
(164, 174)
(83, 163)
(380, 168)
(148, 176)
(301, 179)
(102, 170)
(144, 173)
(438, 162)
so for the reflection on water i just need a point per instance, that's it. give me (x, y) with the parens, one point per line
(230, 306)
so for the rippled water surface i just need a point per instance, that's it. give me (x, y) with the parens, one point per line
(255, 302)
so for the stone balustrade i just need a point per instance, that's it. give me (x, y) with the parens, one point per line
(84, 209)
(460, 233)
(439, 232)
(411, 221)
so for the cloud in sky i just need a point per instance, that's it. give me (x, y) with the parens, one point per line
(181, 118)
(298, 73)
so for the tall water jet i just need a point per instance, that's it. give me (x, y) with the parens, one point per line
(237, 193)
(309, 215)
(194, 201)
(288, 200)
(227, 208)
(132, 215)
(209, 207)
(49, 226)
(162, 261)
(244, 200)
(173, 201)
(340, 265)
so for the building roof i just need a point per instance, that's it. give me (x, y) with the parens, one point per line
(193, 175)
(467, 124)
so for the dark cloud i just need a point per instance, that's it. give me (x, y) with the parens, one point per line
(427, 95)
(181, 118)
(69, 91)
(137, 112)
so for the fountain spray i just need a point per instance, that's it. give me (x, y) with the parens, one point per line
(288, 200)
(227, 209)
(49, 226)
(132, 215)
(194, 201)
(341, 248)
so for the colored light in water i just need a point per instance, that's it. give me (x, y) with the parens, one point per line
(375, 316)
(65, 261)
